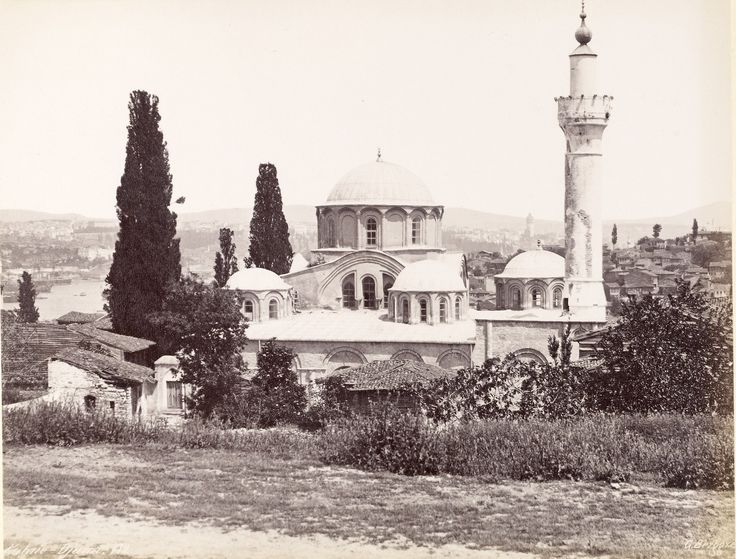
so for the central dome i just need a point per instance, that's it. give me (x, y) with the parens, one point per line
(382, 184)
(535, 264)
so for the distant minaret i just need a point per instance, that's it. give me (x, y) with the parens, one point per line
(583, 117)
(529, 233)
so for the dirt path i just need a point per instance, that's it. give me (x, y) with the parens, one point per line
(50, 532)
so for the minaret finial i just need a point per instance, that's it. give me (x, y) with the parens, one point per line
(378, 156)
(583, 34)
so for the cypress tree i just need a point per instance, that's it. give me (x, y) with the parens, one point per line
(695, 230)
(226, 264)
(614, 235)
(27, 311)
(146, 258)
(269, 232)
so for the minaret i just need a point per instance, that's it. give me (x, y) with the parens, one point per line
(583, 116)
(529, 233)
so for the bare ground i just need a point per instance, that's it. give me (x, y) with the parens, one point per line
(153, 502)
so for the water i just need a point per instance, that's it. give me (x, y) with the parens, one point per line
(80, 295)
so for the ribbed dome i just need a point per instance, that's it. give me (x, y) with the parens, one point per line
(429, 276)
(256, 279)
(380, 183)
(535, 264)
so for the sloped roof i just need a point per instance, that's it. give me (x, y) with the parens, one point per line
(391, 374)
(105, 367)
(76, 317)
(27, 347)
(126, 343)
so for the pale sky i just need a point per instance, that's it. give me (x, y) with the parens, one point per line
(459, 92)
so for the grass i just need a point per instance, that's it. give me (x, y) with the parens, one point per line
(262, 490)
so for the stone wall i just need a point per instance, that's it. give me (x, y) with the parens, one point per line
(70, 383)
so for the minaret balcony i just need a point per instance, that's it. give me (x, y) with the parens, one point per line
(584, 108)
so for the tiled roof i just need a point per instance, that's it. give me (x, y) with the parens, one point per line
(358, 325)
(391, 374)
(27, 347)
(105, 367)
(125, 343)
(104, 323)
(76, 317)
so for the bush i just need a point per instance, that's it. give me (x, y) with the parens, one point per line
(680, 451)
(384, 440)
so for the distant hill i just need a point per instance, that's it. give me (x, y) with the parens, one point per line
(240, 217)
(16, 216)
(475, 219)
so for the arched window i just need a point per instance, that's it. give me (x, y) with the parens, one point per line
(388, 283)
(536, 297)
(369, 292)
(423, 310)
(458, 307)
(248, 309)
(348, 293)
(557, 298)
(405, 311)
(515, 299)
(416, 231)
(273, 309)
(371, 232)
(330, 233)
(443, 310)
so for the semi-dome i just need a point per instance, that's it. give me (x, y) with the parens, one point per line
(256, 279)
(537, 263)
(429, 276)
(380, 183)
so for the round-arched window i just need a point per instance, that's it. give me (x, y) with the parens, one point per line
(443, 310)
(369, 292)
(423, 310)
(405, 311)
(273, 309)
(536, 297)
(330, 233)
(557, 298)
(371, 232)
(458, 308)
(416, 231)
(348, 293)
(515, 298)
(248, 309)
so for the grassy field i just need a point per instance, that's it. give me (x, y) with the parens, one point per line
(233, 490)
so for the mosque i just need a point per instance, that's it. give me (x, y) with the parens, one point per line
(384, 287)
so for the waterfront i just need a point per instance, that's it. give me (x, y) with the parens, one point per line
(80, 295)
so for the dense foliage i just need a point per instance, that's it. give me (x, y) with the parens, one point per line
(27, 311)
(203, 325)
(671, 354)
(146, 258)
(226, 263)
(269, 232)
(656, 230)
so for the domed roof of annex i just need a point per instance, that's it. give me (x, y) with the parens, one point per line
(537, 263)
(429, 276)
(380, 183)
(256, 279)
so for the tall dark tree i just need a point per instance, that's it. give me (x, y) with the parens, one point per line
(146, 259)
(226, 264)
(656, 230)
(269, 232)
(27, 311)
(614, 235)
(695, 230)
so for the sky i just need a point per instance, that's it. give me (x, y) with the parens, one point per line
(459, 92)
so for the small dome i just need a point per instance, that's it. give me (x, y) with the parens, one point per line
(537, 263)
(428, 276)
(380, 183)
(256, 279)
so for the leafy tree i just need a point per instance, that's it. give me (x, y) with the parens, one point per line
(146, 258)
(204, 327)
(226, 264)
(27, 311)
(276, 388)
(656, 230)
(704, 254)
(614, 235)
(671, 354)
(695, 230)
(269, 232)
